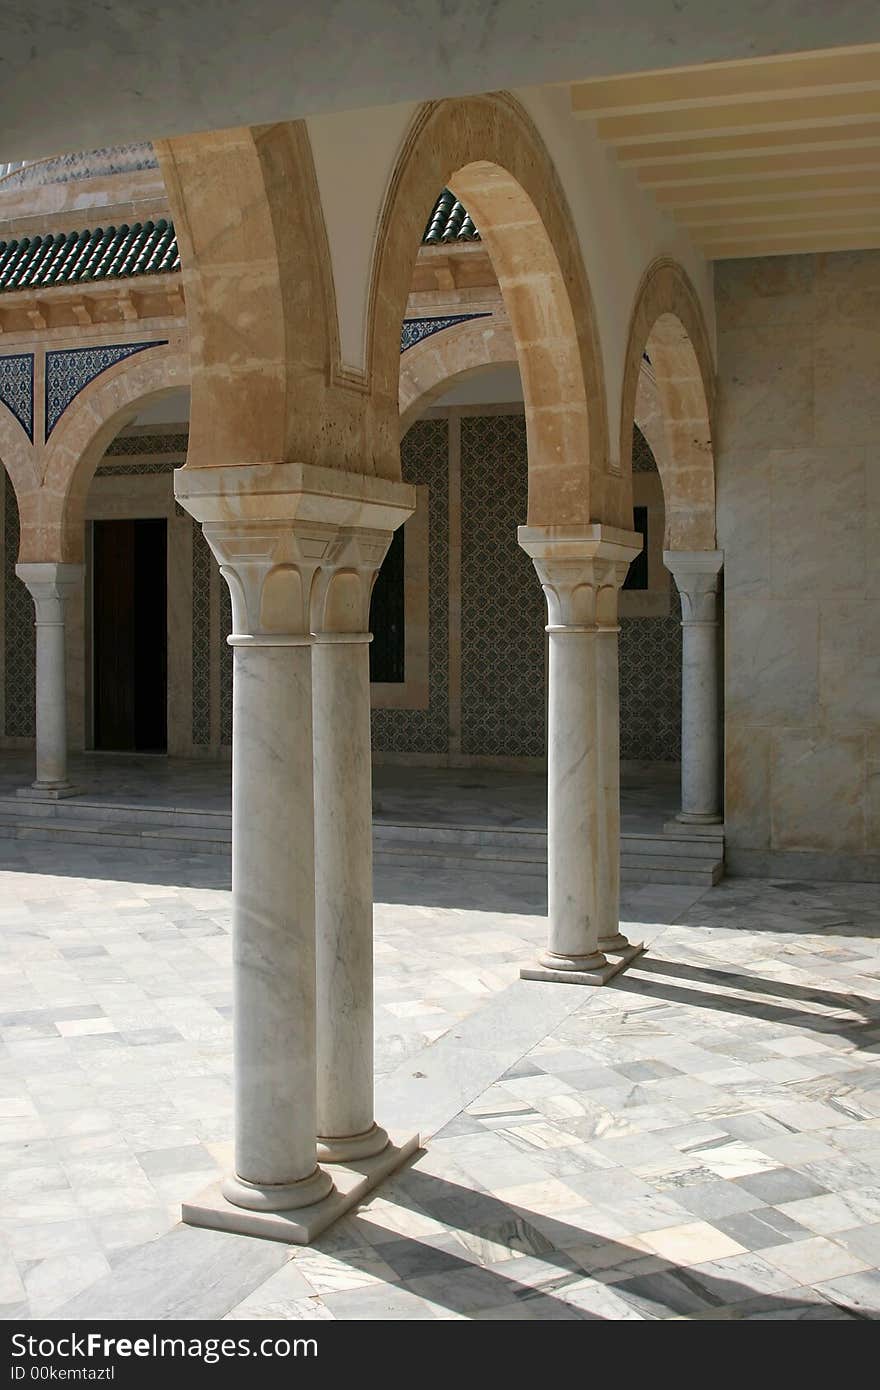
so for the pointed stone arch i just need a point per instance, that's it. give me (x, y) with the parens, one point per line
(487, 151)
(668, 328)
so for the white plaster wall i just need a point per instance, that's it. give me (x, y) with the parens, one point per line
(354, 155)
(798, 462)
(621, 230)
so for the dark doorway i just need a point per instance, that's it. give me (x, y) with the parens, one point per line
(130, 636)
(387, 617)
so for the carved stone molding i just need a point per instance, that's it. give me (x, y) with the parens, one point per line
(696, 575)
(581, 570)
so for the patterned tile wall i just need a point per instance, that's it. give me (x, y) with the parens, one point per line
(69, 371)
(148, 444)
(20, 656)
(650, 689)
(129, 470)
(202, 560)
(425, 460)
(17, 388)
(502, 606)
(643, 459)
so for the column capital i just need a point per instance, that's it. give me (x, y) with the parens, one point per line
(299, 546)
(696, 576)
(49, 583)
(581, 569)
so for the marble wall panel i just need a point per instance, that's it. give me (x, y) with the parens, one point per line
(799, 521)
(818, 784)
(772, 662)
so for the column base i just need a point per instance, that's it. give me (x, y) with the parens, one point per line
(347, 1148)
(352, 1182)
(278, 1197)
(47, 791)
(698, 827)
(616, 945)
(598, 976)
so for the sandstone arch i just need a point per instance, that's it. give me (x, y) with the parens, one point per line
(667, 325)
(486, 150)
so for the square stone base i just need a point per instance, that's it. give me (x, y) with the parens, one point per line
(584, 977)
(35, 793)
(353, 1182)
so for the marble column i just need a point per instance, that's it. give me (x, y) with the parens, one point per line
(51, 585)
(696, 574)
(580, 570)
(273, 530)
(344, 846)
(611, 570)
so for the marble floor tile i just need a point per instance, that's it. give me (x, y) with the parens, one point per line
(699, 1140)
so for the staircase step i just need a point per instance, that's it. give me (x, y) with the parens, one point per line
(671, 858)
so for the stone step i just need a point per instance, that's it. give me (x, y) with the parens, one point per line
(117, 834)
(70, 809)
(644, 858)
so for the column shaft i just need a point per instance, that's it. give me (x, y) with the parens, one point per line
(581, 571)
(608, 849)
(572, 802)
(273, 928)
(50, 586)
(344, 897)
(696, 575)
(700, 761)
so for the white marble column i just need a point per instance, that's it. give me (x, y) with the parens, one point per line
(273, 529)
(50, 585)
(611, 571)
(344, 846)
(580, 570)
(696, 575)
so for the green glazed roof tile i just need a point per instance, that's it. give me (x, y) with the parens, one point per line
(106, 253)
(150, 248)
(449, 221)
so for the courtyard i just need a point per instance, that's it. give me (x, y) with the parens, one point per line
(699, 1139)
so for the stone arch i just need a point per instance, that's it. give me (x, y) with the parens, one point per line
(428, 369)
(487, 151)
(267, 384)
(17, 454)
(648, 415)
(667, 326)
(52, 515)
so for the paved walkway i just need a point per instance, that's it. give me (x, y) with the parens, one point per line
(700, 1139)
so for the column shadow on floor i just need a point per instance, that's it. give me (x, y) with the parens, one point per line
(649, 1285)
(780, 989)
(863, 1035)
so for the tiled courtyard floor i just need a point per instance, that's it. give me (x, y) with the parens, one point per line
(699, 1139)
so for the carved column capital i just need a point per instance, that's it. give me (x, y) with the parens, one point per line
(340, 609)
(581, 570)
(50, 584)
(299, 546)
(696, 575)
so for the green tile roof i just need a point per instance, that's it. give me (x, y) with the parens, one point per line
(449, 221)
(107, 253)
(149, 248)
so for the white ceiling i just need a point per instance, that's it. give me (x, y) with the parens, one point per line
(75, 77)
(771, 156)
